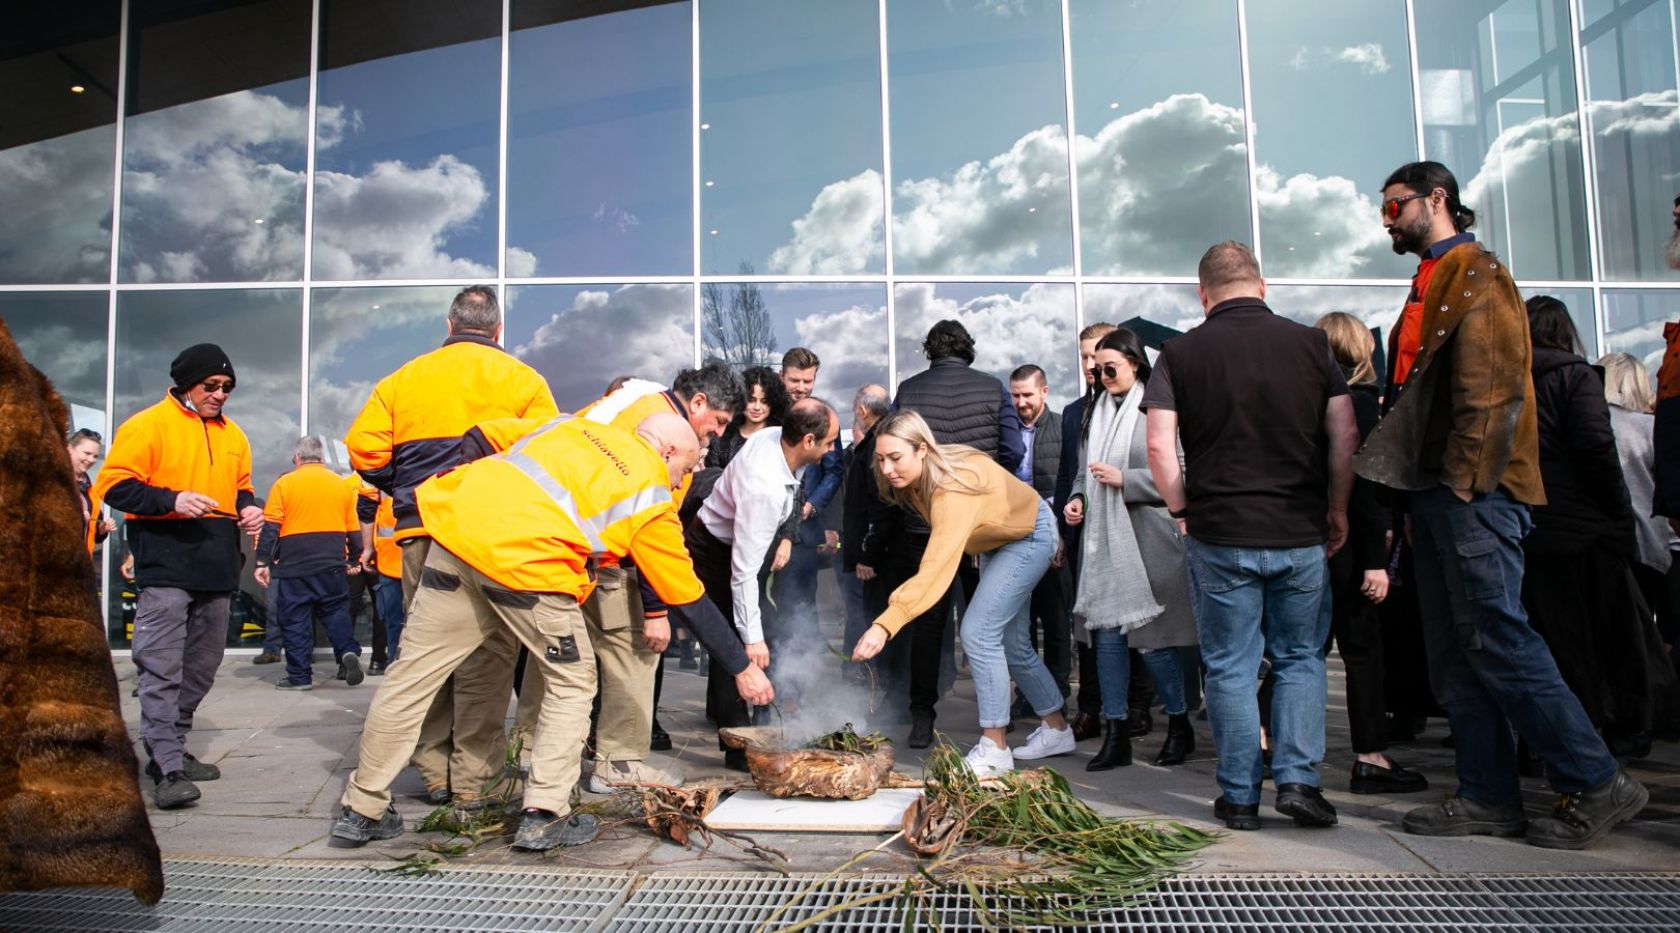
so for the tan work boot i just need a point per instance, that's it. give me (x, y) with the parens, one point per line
(613, 775)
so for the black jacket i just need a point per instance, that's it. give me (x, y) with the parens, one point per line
(965, 406)
(1068, 465)
(1367, 519)
(1586, 496)
(865, 518)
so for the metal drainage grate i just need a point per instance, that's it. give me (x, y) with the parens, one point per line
(216, 897)
(1222, 903)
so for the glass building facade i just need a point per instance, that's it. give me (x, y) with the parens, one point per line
(308, 182)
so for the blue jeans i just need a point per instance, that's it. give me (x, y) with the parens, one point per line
(1490, 670)
(299, 601)
(1252, 603)
(1114, 674)
(994, 627)
(388, 602)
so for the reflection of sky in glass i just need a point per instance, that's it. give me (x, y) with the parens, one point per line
(1499, 110)
(213, 188)
(1158, 100)
(582, 338)
(57, 194)
(405, 183)
(1173, 306)
(1633, 323)
(979, 137)
(844, 325)
(1635, 117)
(1333, 116)
(63, 335)
(1011, 325)
(790, 143)
(358, 336)
(599, 145)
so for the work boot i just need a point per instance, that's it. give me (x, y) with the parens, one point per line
(438, 796)
(1086, 726)
(1181, 741)
(921, 729)
(1461, 816)
(352, 830)
(611, 776)
(351, 665)
(1305, 804)
(659, 740)
(175, 790)
(685, 656)
(1580, 819)
(1138, 722)
(376, 667)
(541, 830)
(267, 657)
(1116, 751)
(1243, 816)
(194, 769)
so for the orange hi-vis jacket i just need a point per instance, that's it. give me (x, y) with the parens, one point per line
(165, 450)
(536, 516)
(309, 524)
(634, 401)
(374, 508)
(411, 427)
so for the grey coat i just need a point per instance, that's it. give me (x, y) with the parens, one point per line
(1633, 446)
(1159, 543)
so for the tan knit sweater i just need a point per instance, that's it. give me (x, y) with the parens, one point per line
(999, 509)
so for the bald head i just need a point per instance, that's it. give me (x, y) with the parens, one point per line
(671, 435)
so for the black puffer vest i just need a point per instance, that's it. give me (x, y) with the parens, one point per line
(959, 403)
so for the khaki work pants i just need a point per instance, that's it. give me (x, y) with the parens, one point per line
(454, 612)
(463, 742)
(614, 616)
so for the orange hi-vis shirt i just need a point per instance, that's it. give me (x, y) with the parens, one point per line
(410, 429)
(632, 404)
(534, 517)
(309, 524)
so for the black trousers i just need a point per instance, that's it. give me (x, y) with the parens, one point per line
(1590, 612)
(1356, 627)
(711, 565)
(1089, 700)
(923, 639)
(1052, 625)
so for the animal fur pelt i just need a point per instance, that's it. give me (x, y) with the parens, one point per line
(71, 812)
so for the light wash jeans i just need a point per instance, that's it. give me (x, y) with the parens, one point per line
(1114, 673)
(1252, 603)
(995, 634)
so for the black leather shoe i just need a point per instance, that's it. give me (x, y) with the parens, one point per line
(1086, 726)
(1461, 816)
(921, 730)
(661, 740)
(175, 790)
(735, 760)
(1139, 723)
(375, 668)
(1181, 741)
(1305, 804)
(1243, 816)
(1579, 820)
(1376, 779)
(1116, 751)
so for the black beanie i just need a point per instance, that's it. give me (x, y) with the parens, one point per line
(199, 362)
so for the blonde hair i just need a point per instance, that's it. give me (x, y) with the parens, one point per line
(1627, 383)
(1351, 342)
(943, 467)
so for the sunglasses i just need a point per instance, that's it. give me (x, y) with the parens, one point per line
(1106, 371)
(226, 388)
(1391, 207)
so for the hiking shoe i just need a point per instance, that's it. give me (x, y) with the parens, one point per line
(267, 657)
(352, 666)
(1244, 816)
(921, 730)
(1046, 742)
(659, 740)
(175, 790)
(1581, 819)
(1461, 816)
(194, 769)
(439, 795)
(541, 830)
(985, 759)
(1305, 804)
(611, 776)
(352, 830)
(289, 685)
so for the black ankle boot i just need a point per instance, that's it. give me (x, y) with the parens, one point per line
(1181, 741)
(1116, 751)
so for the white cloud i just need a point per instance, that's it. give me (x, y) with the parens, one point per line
(521, 263)
(1368, 56)
(58, 208)
(617, 219)
(840, 234)
(394, 221)
(1035, 326)
(1301, 59)
(852, 343)
(640, 330)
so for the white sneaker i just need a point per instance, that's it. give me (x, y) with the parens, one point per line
(1046, 742)
(612, 776)
(985, 759)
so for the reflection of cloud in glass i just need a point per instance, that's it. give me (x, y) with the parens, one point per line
(58, 209)
(357, 336)
(1011, 326)
(393, 221)
(63, 335)
(589, 337)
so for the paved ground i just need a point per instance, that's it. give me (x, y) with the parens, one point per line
(285, 756)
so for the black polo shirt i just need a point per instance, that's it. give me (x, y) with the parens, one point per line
(1250, 389)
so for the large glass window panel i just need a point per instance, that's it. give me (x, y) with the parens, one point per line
(1332, 93)
(790, 137)
(600, 139)
(214, 143)
(581, 338)
(1633, 323)
(1012, 325)
(1158, 108)
(406, 127)
(1157, 313)
(747, 324)
(979, 138)
(1634, 117)
(358, 336)
(1497, 79)
(262, 331)
(64, 335)
(58, 114)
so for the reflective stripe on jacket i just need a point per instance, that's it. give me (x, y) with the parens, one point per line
(411, 427)
(535, 516)
(309, 523)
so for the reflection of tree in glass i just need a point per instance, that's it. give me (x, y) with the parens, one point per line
(739, 333)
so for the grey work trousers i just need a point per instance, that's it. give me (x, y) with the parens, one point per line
(179, 637)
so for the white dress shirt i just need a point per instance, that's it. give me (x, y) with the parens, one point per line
(751, 500)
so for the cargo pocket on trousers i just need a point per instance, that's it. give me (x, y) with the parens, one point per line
(1482, 570)
(559, 634)
(612, 601)
(433, 579)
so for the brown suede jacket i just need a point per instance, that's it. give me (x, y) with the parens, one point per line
(1466, 417)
